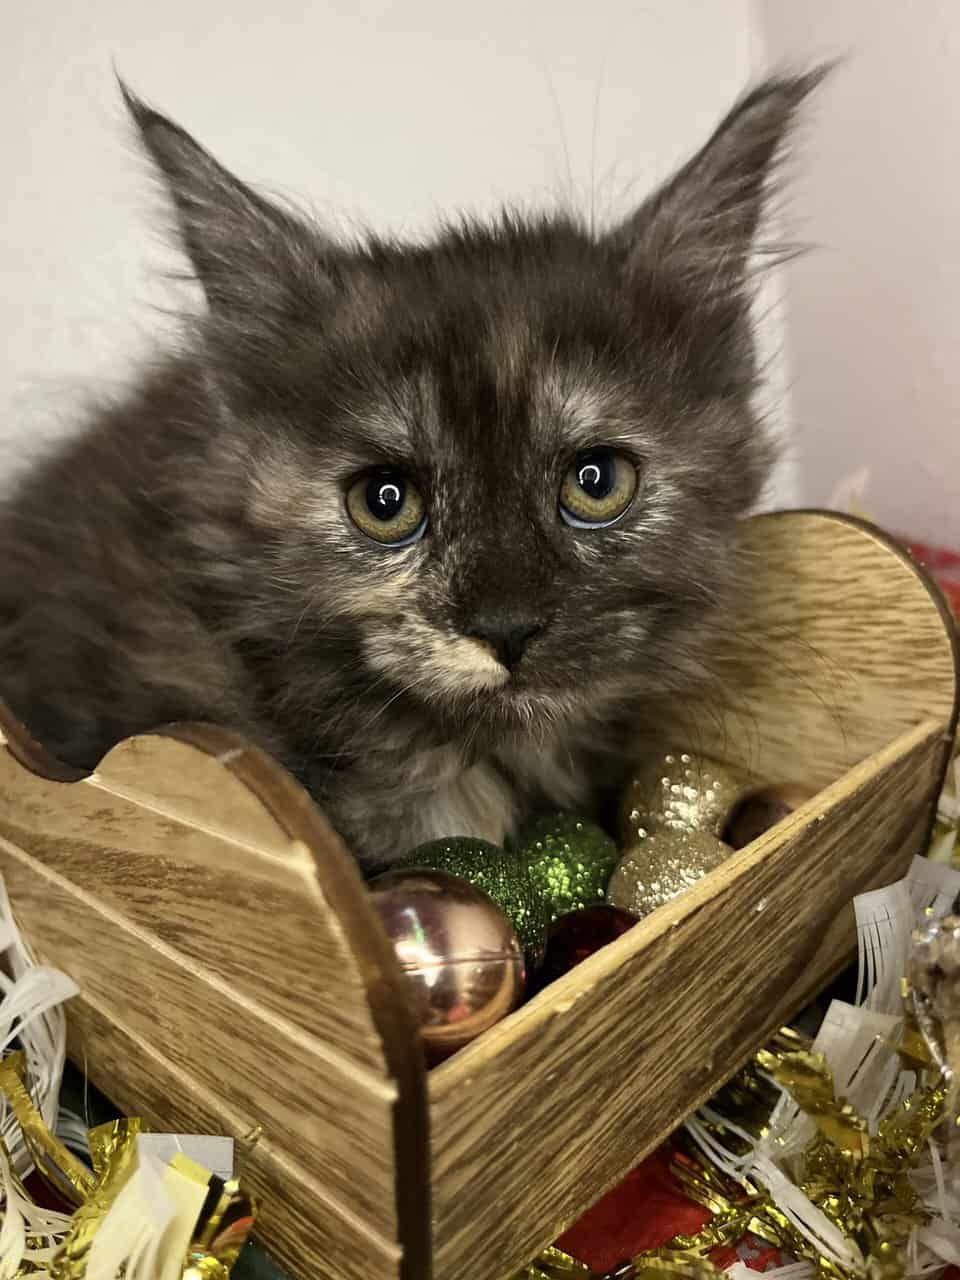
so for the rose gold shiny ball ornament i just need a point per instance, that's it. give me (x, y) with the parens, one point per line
(458, 952)
(662, 866)
(761, 810)
(678, 791)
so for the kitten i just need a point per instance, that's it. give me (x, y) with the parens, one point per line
(426, 521)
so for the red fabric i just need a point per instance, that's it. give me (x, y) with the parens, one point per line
(943, 566)
(645, 1211)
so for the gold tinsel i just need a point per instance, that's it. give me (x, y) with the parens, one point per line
(861, 1179)
(216, 1239)
(58, 1166)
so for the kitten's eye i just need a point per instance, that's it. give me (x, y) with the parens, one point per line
(597, 489)
(385, 506)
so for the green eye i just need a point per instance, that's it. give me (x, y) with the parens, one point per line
(385, 506)
(597, 489)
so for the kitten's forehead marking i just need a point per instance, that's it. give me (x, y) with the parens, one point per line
(508, 349)
(568, 398)
(387, 424)
(584, 405)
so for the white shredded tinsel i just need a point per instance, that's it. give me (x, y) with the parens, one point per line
(32, 1019)
(855, 1040)
(72, 1131)
(793, 1271)
(31, 1013)
(146, 1232)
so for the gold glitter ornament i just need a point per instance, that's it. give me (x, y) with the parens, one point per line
(662, 866)
(678, 791)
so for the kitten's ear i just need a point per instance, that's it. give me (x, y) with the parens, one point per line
(249, 254)
(701, 224)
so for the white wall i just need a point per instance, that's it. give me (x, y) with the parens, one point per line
(873, 314)
(387, 112)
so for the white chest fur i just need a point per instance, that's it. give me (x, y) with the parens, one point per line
(486, 801)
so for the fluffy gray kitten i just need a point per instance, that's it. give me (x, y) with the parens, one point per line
(427, 521)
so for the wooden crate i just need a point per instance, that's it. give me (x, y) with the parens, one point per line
(234, 975)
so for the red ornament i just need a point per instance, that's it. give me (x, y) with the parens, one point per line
(574, 937)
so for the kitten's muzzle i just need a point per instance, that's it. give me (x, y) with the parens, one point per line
(507, 634)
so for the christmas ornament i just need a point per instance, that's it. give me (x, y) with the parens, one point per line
(569, 858)
(678, 792)
(459, 955)
(761, 810)
(574, 937)
(662, 866)
(503, 876)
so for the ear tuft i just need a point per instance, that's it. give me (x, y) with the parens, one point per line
(702, 222)
(248, 253)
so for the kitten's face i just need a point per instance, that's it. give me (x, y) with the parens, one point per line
(495, 477)
(505, 476)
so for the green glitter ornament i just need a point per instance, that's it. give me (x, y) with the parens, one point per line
(570, 858)
(503, 876)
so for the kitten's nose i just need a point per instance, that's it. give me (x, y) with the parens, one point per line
(508, 634)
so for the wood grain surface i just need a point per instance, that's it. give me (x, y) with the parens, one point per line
(837, 645)
(549, 1109)
(209, 948)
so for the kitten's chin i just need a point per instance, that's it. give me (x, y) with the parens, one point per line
(513, 710)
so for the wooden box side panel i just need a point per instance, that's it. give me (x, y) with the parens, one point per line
(640, 1034)
(197, 884)
(304, 1230)
(216, 927)
(838, 645)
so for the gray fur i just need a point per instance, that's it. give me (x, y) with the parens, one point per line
(189, 555)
